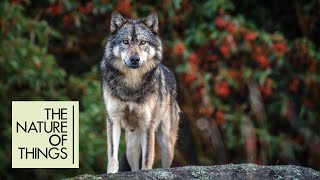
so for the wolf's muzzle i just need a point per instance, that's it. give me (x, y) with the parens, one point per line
(134, 62)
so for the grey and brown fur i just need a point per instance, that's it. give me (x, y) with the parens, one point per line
(139, 93)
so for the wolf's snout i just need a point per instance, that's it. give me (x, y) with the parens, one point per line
(134, 60)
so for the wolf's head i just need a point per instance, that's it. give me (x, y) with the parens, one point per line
(134, 43)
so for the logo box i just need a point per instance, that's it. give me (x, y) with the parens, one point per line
(45, 134)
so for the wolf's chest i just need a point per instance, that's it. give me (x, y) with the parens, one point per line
(131, 115)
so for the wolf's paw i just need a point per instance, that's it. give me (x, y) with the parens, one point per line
(113, 167)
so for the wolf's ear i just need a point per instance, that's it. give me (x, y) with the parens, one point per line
(152, 22)
(116, 21)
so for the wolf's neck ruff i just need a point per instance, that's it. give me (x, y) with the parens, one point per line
(121, 87)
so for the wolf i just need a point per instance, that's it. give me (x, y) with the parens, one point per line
(139, 93)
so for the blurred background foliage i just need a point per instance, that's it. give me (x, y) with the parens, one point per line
(248, 76)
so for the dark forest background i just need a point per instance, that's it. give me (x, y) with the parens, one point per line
(248, 76)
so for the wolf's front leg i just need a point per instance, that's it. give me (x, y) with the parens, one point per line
(147, 142)
(133, 148)
(113, 133)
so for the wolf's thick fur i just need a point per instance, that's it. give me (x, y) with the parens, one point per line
(139, 93)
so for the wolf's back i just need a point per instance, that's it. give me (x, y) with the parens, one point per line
(170, 85)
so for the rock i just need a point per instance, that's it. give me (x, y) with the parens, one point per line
(229, 171)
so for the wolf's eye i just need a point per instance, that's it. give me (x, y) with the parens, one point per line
(125, 41)
(142, 42)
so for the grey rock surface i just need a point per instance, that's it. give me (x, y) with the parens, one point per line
(228, 171)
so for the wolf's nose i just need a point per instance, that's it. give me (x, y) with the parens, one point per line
(134, 60)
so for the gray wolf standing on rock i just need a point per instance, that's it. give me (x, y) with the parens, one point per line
(139, 93)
